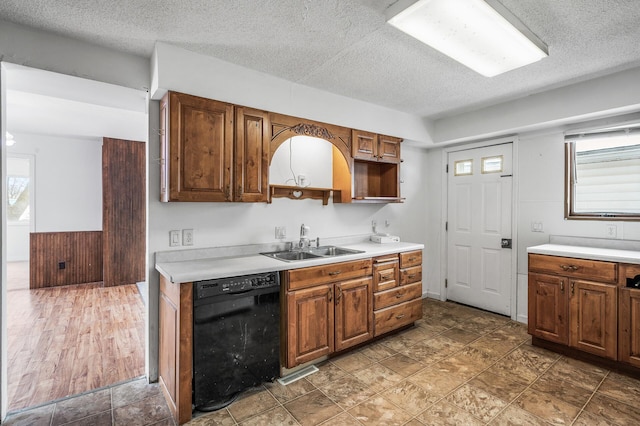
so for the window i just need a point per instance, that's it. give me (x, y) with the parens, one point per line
(463, 168)
(19, 193)
(603, 175)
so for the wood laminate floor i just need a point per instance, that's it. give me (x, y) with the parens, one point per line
(68, 340)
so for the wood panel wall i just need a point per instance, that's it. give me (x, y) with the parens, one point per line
(123, 211)
(81, 253)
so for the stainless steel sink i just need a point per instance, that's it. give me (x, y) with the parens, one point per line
(330, 251)
(290, 256)
(313, 253)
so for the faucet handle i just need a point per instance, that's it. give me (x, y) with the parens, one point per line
(317, 242)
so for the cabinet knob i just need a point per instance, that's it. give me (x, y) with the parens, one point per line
(400, 316)
(561, 286)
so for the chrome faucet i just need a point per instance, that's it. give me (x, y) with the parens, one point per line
(304, 242)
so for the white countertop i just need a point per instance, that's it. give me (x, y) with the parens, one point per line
(219, 267)
(581, 252)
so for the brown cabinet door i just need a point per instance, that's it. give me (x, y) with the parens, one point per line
(353, 313)
(388, 149)
(364, 145)
(251, 173)
(629, 327)
(548, 313)
(593, 317)
(200, 151)
(309, 324)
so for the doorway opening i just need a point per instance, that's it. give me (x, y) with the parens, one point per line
(69, 329)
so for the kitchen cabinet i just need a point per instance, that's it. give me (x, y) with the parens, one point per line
(251, 166)
(568, 306)
(376, 167)
(196, 148)
(329, 308)
(629, 317)
(397, 284)
(372, 147)
(212, 151)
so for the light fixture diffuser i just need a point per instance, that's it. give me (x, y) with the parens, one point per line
(471, 32)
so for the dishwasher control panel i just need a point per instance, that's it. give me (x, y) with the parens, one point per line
(230, 285)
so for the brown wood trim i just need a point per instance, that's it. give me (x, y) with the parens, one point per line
(176, 347)
(123, 211)
(81, 253)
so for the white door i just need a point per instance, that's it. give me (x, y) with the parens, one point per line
(479, 186)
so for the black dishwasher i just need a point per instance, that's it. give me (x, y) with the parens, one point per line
(236, 337)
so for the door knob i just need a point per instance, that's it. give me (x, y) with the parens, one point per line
(505, 243)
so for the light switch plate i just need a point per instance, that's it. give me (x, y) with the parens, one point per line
(281, 232)
(174, 238)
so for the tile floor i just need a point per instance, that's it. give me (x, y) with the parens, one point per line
(459, 366)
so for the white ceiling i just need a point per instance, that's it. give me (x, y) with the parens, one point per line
(346, 47)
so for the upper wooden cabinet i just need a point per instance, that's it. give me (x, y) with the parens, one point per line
(216, 151)
(373, 147)
(212, 151)
(196, 148)
(251, 175)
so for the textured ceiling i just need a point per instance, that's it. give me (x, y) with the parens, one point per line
(346, 46)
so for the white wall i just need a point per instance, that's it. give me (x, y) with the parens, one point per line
(68, 182)
(303, 155)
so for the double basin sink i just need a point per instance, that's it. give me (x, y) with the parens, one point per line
(312, 253)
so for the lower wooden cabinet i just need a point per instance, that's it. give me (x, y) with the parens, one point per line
(327, 318)
(594, 318)
(175, 363)
(397, 291)
(548, 308)
(564, 308)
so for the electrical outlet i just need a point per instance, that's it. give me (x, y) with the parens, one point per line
(174, 238)
(612, 231)
(281, 232)
(62, 265)
(537, 227)
(187, 237)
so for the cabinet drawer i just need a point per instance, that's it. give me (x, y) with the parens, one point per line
(411, 258)
(411, 275)
(593, 270)
(308, 277)
(385, 276)
(397, 295)
(397, 316)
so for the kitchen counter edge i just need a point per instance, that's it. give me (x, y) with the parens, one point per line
(221, 267)
(592, 253)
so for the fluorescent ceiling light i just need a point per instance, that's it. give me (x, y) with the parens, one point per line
(471, 32)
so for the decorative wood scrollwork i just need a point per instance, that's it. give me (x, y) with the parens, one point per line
(312, 130)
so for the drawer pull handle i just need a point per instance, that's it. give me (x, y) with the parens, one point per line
(569, 267)
(335, 273)
(411, 259)
(411, 276)
(572, 287)
(400, 316)
(386, 277)
(399, 295)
